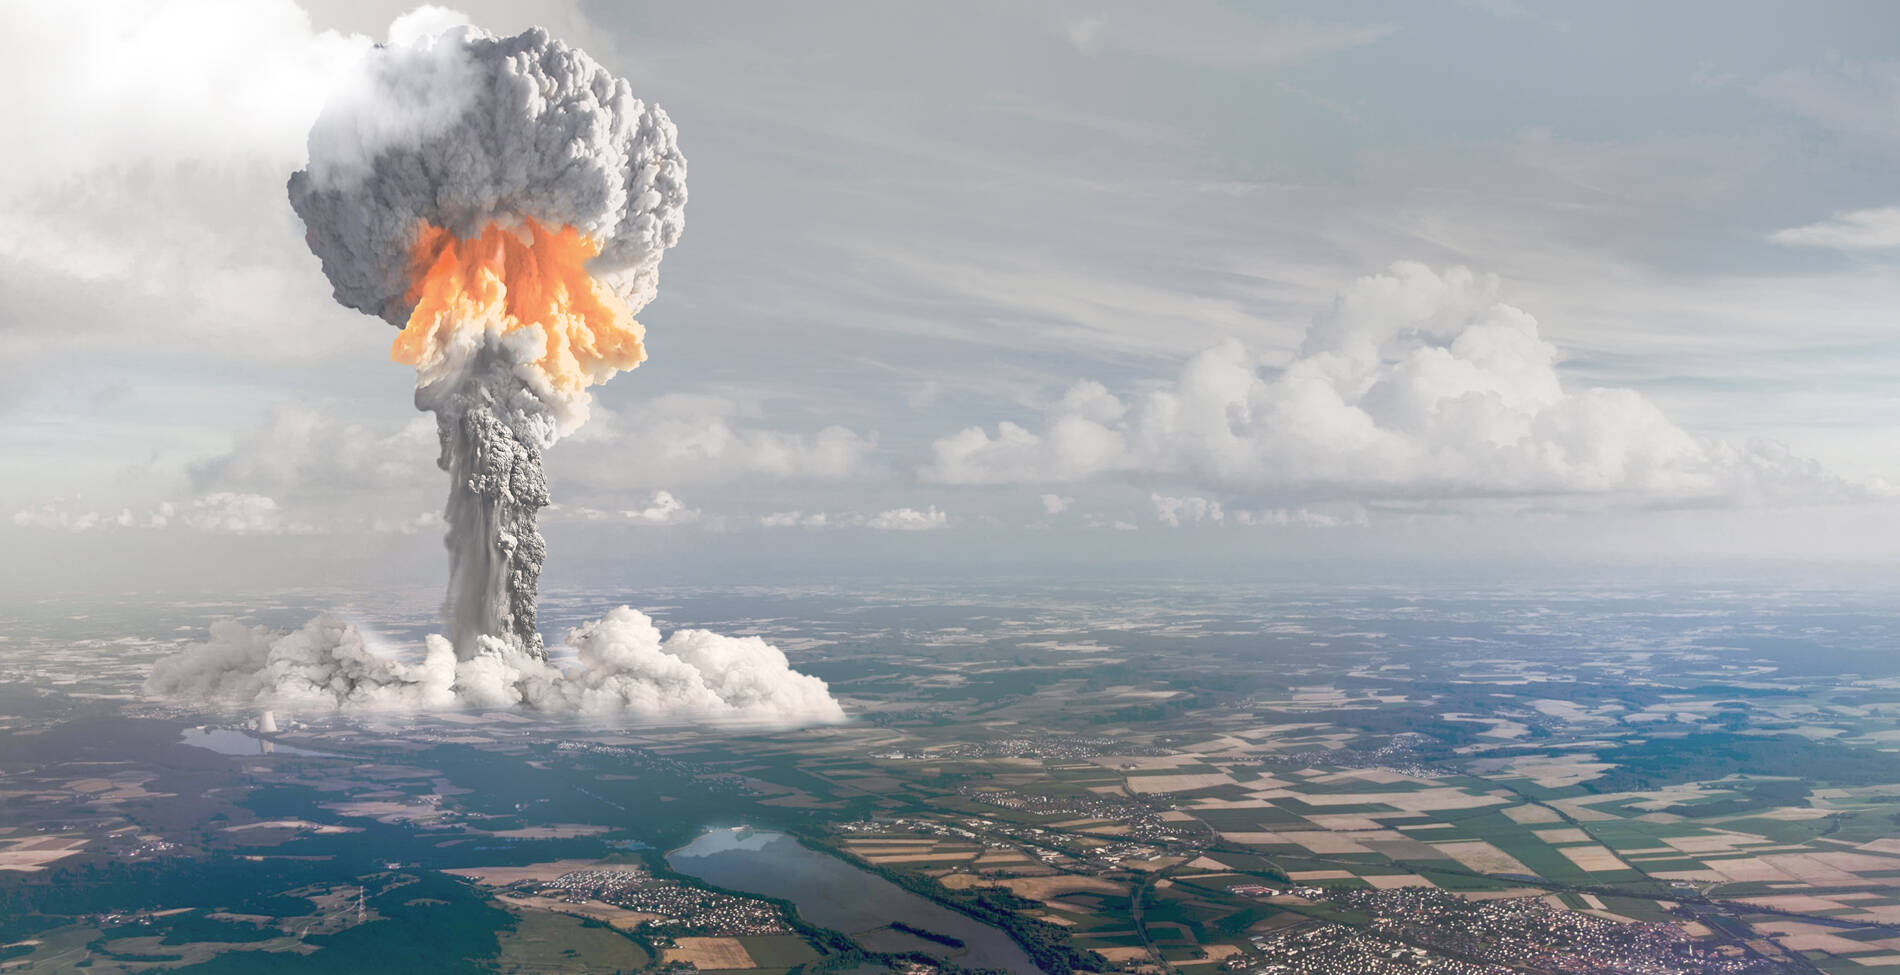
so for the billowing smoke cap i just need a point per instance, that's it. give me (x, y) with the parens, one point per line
(465, 129)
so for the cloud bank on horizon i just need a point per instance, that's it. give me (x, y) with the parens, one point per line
(1415, 386)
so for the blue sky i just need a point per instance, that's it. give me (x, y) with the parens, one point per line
(1249, 283)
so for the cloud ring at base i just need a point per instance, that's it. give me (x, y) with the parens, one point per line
(623, 669)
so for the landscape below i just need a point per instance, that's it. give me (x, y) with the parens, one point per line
(1177, 780)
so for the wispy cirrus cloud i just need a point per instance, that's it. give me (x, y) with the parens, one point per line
(1875, 229)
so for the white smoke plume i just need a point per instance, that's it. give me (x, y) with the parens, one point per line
(622, 668)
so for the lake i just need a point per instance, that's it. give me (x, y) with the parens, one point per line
(229, 741)
(834, 894)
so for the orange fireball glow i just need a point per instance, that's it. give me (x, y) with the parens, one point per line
(512, 278)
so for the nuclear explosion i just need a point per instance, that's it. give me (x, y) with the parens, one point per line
(504, 202)
(512, 241)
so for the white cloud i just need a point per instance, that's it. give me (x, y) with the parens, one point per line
(795, 519)
(306, 452)
(314, 458)
(663, 509)
(1850, 97)
(908, 520)
(698, 440)
(110, 83)
(1299, 517)
(236, 513)
(151, 206)
(1415, 385)
(894, 519)
(1177, 511)
(1872, 229)
(52, 516)
(218, 513)
(1056, 504)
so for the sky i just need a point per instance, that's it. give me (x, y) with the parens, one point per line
(1056, 287)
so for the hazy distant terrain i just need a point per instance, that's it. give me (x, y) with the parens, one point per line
(1185, 779)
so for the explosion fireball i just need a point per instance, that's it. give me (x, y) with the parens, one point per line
(505, 281)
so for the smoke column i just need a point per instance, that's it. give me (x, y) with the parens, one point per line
(505, 202)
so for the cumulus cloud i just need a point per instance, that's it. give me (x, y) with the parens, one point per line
(621, 667)
(795, 519)
(664, 509)
(909, 520)
(217, 513)
(1056, 504)
(1860, 230)
(894, 519)
(235, 513)
(1189, 510)
(53, 516)
(1415, 385)
(1299, 517)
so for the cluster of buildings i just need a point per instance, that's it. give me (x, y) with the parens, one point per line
(1037, 746)
(1530, 931)
(1335, 949)
(147, 848)
(680, 910)
(1142, 819)
(1399, 753)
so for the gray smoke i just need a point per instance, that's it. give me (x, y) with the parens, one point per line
(495, 550)
(465, 129)
(492, 434)
(460, 131)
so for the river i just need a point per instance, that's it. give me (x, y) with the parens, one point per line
(834, 894)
